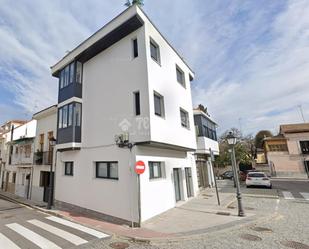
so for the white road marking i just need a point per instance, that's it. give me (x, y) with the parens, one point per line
(7, 243)
(59, 232)
(288, 195)
(277, 205)
(78, 227)
(33, 237)
(305, 195)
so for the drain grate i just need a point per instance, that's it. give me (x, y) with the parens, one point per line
(261, 229)
(294, 244)
(119, 245)
(250, 237)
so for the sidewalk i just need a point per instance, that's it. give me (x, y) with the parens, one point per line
(197, 216)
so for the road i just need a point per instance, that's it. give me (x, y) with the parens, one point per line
(283, 223)
(24, 227)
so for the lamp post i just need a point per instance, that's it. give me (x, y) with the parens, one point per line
(52, 143)
(232, 140)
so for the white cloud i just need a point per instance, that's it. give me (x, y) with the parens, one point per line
(251, 58)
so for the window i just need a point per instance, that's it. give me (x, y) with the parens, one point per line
(180, 76)
(64, 116)
(66, 76)
(135, 48)
(78, 112)
(184, 117)
(154, 51)
(278, 147)
(70, 114)
(79, 68)
(159, 104)
(16, 150)
(155, 170)
(137, 103)
(27, 150)
(107, 170)
(68, 168)
(41, 142)
(60, 118)
(61, 79)
(304, 145)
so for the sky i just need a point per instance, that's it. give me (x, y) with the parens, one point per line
(250, 58)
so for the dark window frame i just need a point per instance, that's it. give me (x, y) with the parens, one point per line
(70, 165)
(72, 75)
(180, 72)
(137, 103)
(71, 119)
(187, 124)
(156, 95)
(156, 47)
(135, 48)
(151, 170)
(304, 147)
(108, 164)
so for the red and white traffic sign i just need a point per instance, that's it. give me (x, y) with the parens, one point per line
(139, 167)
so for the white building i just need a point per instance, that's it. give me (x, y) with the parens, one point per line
(46, 130)
(6, 135)
(206, 144)
(18, 168)
(124, 96)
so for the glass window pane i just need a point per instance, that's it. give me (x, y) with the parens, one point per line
(78, 72)
(72, 72)
(154, 51)
(180, 75)
(70, 115)
(102, 170)
(77, 114)
(157, 102)
(135, 48)
(64, 116)
(60, 118)
(137, 103)
(66, 76)
(61, 78)
(113, 170)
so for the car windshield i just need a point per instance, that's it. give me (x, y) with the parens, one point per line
(256, 174)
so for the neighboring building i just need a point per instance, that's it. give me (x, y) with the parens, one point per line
(206, 142)
(288, 152)
(125, 96)
(6, 135)
(46, 130)
(260, 156)
(19, 164)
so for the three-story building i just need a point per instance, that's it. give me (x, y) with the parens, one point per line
(125, 96)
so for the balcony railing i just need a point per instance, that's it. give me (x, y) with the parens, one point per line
(43, 158)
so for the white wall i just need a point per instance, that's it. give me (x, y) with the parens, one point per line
(158, 195)
(204, 143)
(162, 79)
(26, 130)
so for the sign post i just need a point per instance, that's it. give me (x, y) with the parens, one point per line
(139, 169)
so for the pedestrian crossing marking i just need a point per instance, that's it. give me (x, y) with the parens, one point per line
(78, 227)
(305, 195)
(6, 243)
(288, 195)
(33, 237)
(59, 232)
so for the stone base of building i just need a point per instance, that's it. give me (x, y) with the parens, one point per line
(285, 174)
(92, 214)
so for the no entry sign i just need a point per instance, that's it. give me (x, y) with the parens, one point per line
(139, 167)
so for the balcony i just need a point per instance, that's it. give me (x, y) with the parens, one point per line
(205, 143)
(43, 158)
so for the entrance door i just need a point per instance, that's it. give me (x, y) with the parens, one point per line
(307, 167)
(189, 182)
(176, 173)
(45, 184)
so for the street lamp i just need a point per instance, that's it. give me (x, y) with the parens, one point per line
(232, 140)
(52, 143)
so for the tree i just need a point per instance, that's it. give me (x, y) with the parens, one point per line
(138, 2)
(259, 137)
(244, 149)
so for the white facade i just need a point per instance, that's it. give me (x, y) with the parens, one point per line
(110, 79)
(46, 128)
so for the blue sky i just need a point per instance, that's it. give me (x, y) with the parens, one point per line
(251, 58)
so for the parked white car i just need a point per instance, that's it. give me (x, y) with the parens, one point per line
(258, 179)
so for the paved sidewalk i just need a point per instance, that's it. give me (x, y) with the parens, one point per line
(198, 215)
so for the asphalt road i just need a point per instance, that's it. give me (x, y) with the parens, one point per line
(26, 228)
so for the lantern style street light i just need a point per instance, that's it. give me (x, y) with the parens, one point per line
(232, 140)
(52, 143)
